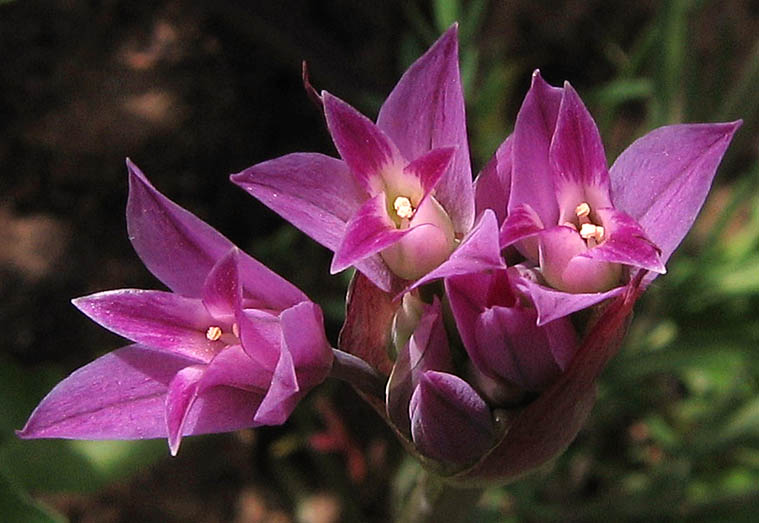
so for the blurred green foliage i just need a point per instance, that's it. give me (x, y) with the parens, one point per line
(675, 433)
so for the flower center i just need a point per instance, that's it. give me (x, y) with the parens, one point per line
(213, 333)
(590, 232)
(403, 207)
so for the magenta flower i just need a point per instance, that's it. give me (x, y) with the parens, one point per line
(583, 229)
(233, 346)
(400, 199)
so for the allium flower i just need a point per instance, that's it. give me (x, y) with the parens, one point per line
(586, 228)
(233, 346)
(397, 203)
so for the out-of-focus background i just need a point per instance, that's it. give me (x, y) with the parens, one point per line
(193, 91)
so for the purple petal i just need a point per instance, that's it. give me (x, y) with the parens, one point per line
(449, 420)
(532, 180)
(234, 368)
(467, 295)
(492, 186)
(577, 157)
(159, 319)
(626, 243)
(362, 145)
(180, 249)
(662, 179)
(369, 231)
(260, 336)
(552, 304)
(182, 392)
(316, 193)
(283, 394)
(118, 396)
(221, 291)
(304, 337)
(521, 225)
(431, 166)
(426, 111)
(479, 251)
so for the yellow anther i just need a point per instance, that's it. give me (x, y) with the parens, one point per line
(213, 333)
(582, 210)
(599, 234)
(403, 207)
(588, 230)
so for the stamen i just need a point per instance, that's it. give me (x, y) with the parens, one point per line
(582, 210)
(236, 330)
(588, 230)
(403, 207)
(599, 234)
(213, 333)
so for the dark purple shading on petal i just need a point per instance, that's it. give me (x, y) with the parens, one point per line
(180, 249)
(532, 179)
(493, 185)
(663, 178)
(425, 111)
(449, 420)
(577, 153)
(429, 167)
(521, 224)
(158, 319)
(363, 146)
(479, 251)
(118, 396)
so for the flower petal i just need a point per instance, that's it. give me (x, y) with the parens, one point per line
(303, 335)
(479, 251)
(449, 420)
(316, 193)
(521, 226)
(663, 178)
(283, 394)
(625, 243)
(180, 249)
(182, 392)
(363, 146)
(492, 186)
(221, 291)
(369, 231)
(429, 167)
(425, 111)
(577, 158)
(532, 180)
(118, 396)
(260, 336)
(159, 319)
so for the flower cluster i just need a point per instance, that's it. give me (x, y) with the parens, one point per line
(464, 307)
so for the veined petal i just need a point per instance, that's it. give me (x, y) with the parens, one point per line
(363, 146)
(182, 392)
(552, 304)
(118, 396)
(492, 186)
(663, 178)
(466, 430)
(316, 193)
(221, 291)
(159, 319)
(425, 111)
(479, 251)
(303, 335)
(577, 158)
(625, 243)
(180, 249)
(522, 225)
(532, 180)
(369, 231)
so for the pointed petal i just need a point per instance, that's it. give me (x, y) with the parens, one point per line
(425, 111)
(369, 231)
(429, 167)
(316, 193)
(363, 146)
(663, 178)
(180, 249)
(467, 430)
(221, 291)
(467, 295)
(521, 226)
(182, 392)
(118, 396)
(283, 394)
(552, 304)
(532, 179)
(158, 319)
(625, 243)
(577, 158)
(479, 251)
(304, 337)
(260, 336)
(492, 186)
